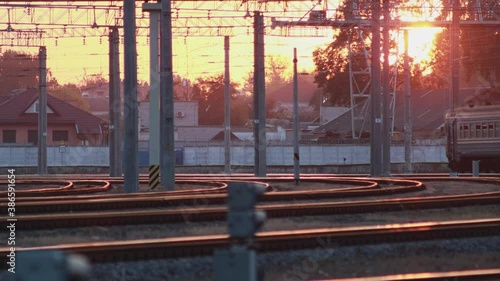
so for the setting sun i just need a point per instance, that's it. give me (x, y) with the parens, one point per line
(420, 42)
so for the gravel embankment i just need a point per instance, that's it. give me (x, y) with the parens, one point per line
(322, 263)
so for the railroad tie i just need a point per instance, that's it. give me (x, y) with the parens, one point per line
(154, 176)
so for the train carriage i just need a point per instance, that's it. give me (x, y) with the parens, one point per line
(473, 133)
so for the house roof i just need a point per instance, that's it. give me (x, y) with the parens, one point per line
(12, 111)
(428, 110)
(306, 90)
(220, 137)
(3, 99)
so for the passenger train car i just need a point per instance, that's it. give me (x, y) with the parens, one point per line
(476, 130)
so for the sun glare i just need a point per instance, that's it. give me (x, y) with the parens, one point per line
(421, 38)
(420, 42)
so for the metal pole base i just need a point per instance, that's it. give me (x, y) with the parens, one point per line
(236, 263)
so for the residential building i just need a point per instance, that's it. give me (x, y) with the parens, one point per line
(188, 131)
(66, 124)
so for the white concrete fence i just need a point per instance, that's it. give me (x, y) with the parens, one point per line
(15, 156)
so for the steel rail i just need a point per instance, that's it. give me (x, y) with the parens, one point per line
(60, 185)
(371, 188)
(477, 275)
(202, 213)
(94, 186)
(221, 185)
(274, 241)
(67, 191)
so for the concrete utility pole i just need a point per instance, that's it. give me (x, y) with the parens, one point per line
(154, 91)
(131, 148)
(154, 94)
(227, 109)
(455, 56)
(259, 97)
(386, 102)
(42, 112)
(407, 113)
(376, 118)
(455, 71)
(167, 99)
(115, 152)
(296, 158)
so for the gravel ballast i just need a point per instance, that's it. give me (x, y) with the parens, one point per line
(324, 263)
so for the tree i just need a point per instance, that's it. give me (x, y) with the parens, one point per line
(209, 92)
(241, 110)
(18, 70)
(332, 61)
(481, 45)
(439, 76)
(332, 69)
(70, 93)
(183, 88)
(93, 80)
(278, 72)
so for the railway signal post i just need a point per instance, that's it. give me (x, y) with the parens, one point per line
(239, 262)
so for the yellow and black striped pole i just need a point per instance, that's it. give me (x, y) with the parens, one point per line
(154, 176)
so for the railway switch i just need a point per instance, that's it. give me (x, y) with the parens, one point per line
(243, 220)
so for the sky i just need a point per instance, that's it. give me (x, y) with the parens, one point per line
(70, 59)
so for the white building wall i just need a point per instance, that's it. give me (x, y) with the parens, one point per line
(15, 156)
(185, 114)
(310, 155)
(12, 156)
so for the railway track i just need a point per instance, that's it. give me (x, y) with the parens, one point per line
(355, 188)
(204, 213)
(62, 187)
(471, 275)
(102, 252)
(57, 212)
(53, 207)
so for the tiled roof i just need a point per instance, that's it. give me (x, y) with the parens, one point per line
(428, 110)
(220, 137)
(4, 99)
(12, 111)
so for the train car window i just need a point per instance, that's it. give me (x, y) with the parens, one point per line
(478, 130)
(472, 131)
(466, 131)
(491, 130)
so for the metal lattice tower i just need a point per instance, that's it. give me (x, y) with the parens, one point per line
(481, 13)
